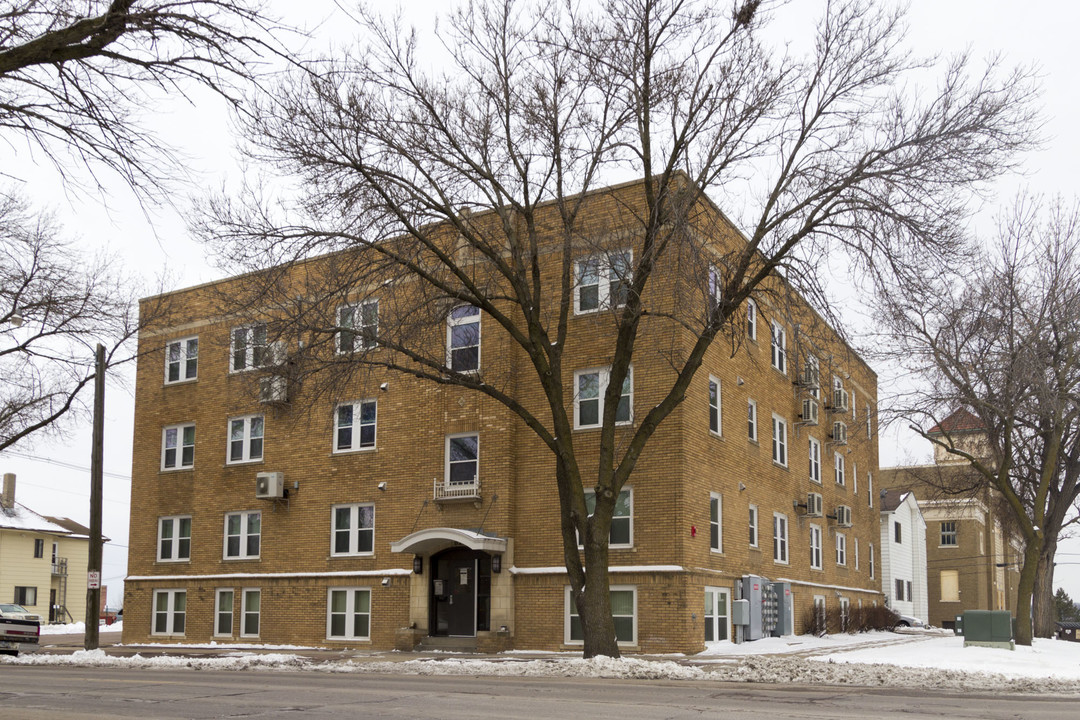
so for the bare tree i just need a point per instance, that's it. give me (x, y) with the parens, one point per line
(1001, 340)
(476, 185)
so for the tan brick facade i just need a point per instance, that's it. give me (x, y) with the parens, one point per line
(667, 564)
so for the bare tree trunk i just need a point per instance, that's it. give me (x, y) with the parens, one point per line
(1024, 592)
(1043, 598)
(595, 607)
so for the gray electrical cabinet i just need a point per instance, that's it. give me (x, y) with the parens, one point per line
(781, 591)
(753, 587)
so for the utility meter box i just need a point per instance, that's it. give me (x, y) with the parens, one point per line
(988, 628)
(740, 612)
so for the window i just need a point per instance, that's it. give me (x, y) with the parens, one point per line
(841, 549)
(854, 477)
(354, 426)
(751, 420)
(815, 460)
(950, 586)
(174, 538)
(623, 612)
(243, 531)
(223, 613)
(463, 339)
(779, 347)
(170, 609)
(948, 533)
(753, 526)
(899, 590)
(869, 430)
(250, 613)
(716, 522)
(856, 553)
(715, 288)
(245, 439)
(751, 319)
(39, 547)
(602, 281)
(813, 376)
(178, 447)
(348, 614)
(714, 406)
(870, 555)
(779, 440)
(462, 459)
(910, 596)
(845, 613)
(358, 326)
(354, 529)
(590, 386)
(248, 347)
(780, 539)
(622, 518)
(815, 547)
(181, 360)
(897, 535)
(838, 464)
(870, 488)
(25, 596)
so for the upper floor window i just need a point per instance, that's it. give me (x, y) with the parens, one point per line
(178, 446)
(715, 288)
(174, 538)
(39, 547)
(716, 522)
(602, 281)
(751, 420)
(948, 533)
(815, 547)
(354, 426)
(897, 532)
(869, 429)
(779, 347)
(870, 489)
(779, 440)
(243, 533)
(870, 557)
(622, 517)
(245, 439)
(714, 406)
(751, 319)
(462, 459)
(812, 370)
(780, 538)
(358, 326)
(753, 525)
(181, 360)
(838, 464)
(841, 549)
(815, 460)
(463, 339)
(354, 529)
(590, 386)
(248, 347)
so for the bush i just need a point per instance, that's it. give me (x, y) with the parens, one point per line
(858, 619)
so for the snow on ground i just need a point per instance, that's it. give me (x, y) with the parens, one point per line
(77, 628)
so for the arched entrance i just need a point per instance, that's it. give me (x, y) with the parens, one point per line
(460, 592)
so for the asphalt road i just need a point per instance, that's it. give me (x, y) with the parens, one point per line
(64, 693)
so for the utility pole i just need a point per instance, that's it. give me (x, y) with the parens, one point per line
(93, 567)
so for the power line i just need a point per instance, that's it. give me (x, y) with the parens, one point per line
(61, 463)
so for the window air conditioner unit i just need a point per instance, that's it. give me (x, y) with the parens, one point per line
(843, 516)
(269, 485)
(839, 433)
(809, 412)
(840, 400)
(273, 389)
(811, 377)
(814, 506)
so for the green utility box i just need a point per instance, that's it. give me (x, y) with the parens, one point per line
(988, 628)
(958, 626)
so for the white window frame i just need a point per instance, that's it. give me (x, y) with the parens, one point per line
(715, 280)
(453, 322)
(841, 549)
(869, 425)
(248, 439)
(856, 550)
(358, 335)
(779, 441)
(838, 469)
(614, 588)
(179, 448)
(870, 488)
(716, 500)
(175, 522)
(954, 533)
(603, 378)
(591, 494)
(243, 535)
(714, 408)
(854, 477)
(815, 547)
(871, 556)
(446, 460)
(753, 525)
(606, 276)
(716, 617)
(845, 613)
(244, 612)
(255, 353)
(778, 347)
(814, 452)
(813, 362)
(218, 612)
(170, 611)
(751, 420)
(350, 613)
(356, 427)
(353, 530)
(751, 319)
(183, 359)
(781, 535)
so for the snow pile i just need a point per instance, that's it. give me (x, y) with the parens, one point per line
(77, 628)
(598, 667)
(98, 658)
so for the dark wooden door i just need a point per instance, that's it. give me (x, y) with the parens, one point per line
(454, 592)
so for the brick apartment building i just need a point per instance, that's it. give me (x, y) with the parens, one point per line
(399, 509)
(972, 557)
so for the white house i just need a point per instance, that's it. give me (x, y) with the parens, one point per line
(903, 554)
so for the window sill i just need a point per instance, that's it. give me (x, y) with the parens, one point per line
(235, 463)
(779, 465)
(337, 556)
(186, 381)
(241, 559)
(184, 561)
(169, 471)
(357, 451)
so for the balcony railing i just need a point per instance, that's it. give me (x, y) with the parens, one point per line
(59, 566)
(449, 492)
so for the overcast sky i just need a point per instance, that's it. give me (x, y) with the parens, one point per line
(153, 244)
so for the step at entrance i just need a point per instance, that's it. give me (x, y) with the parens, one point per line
(448, 644)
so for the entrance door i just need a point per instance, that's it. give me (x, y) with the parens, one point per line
(454, 587)
(716, 614)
